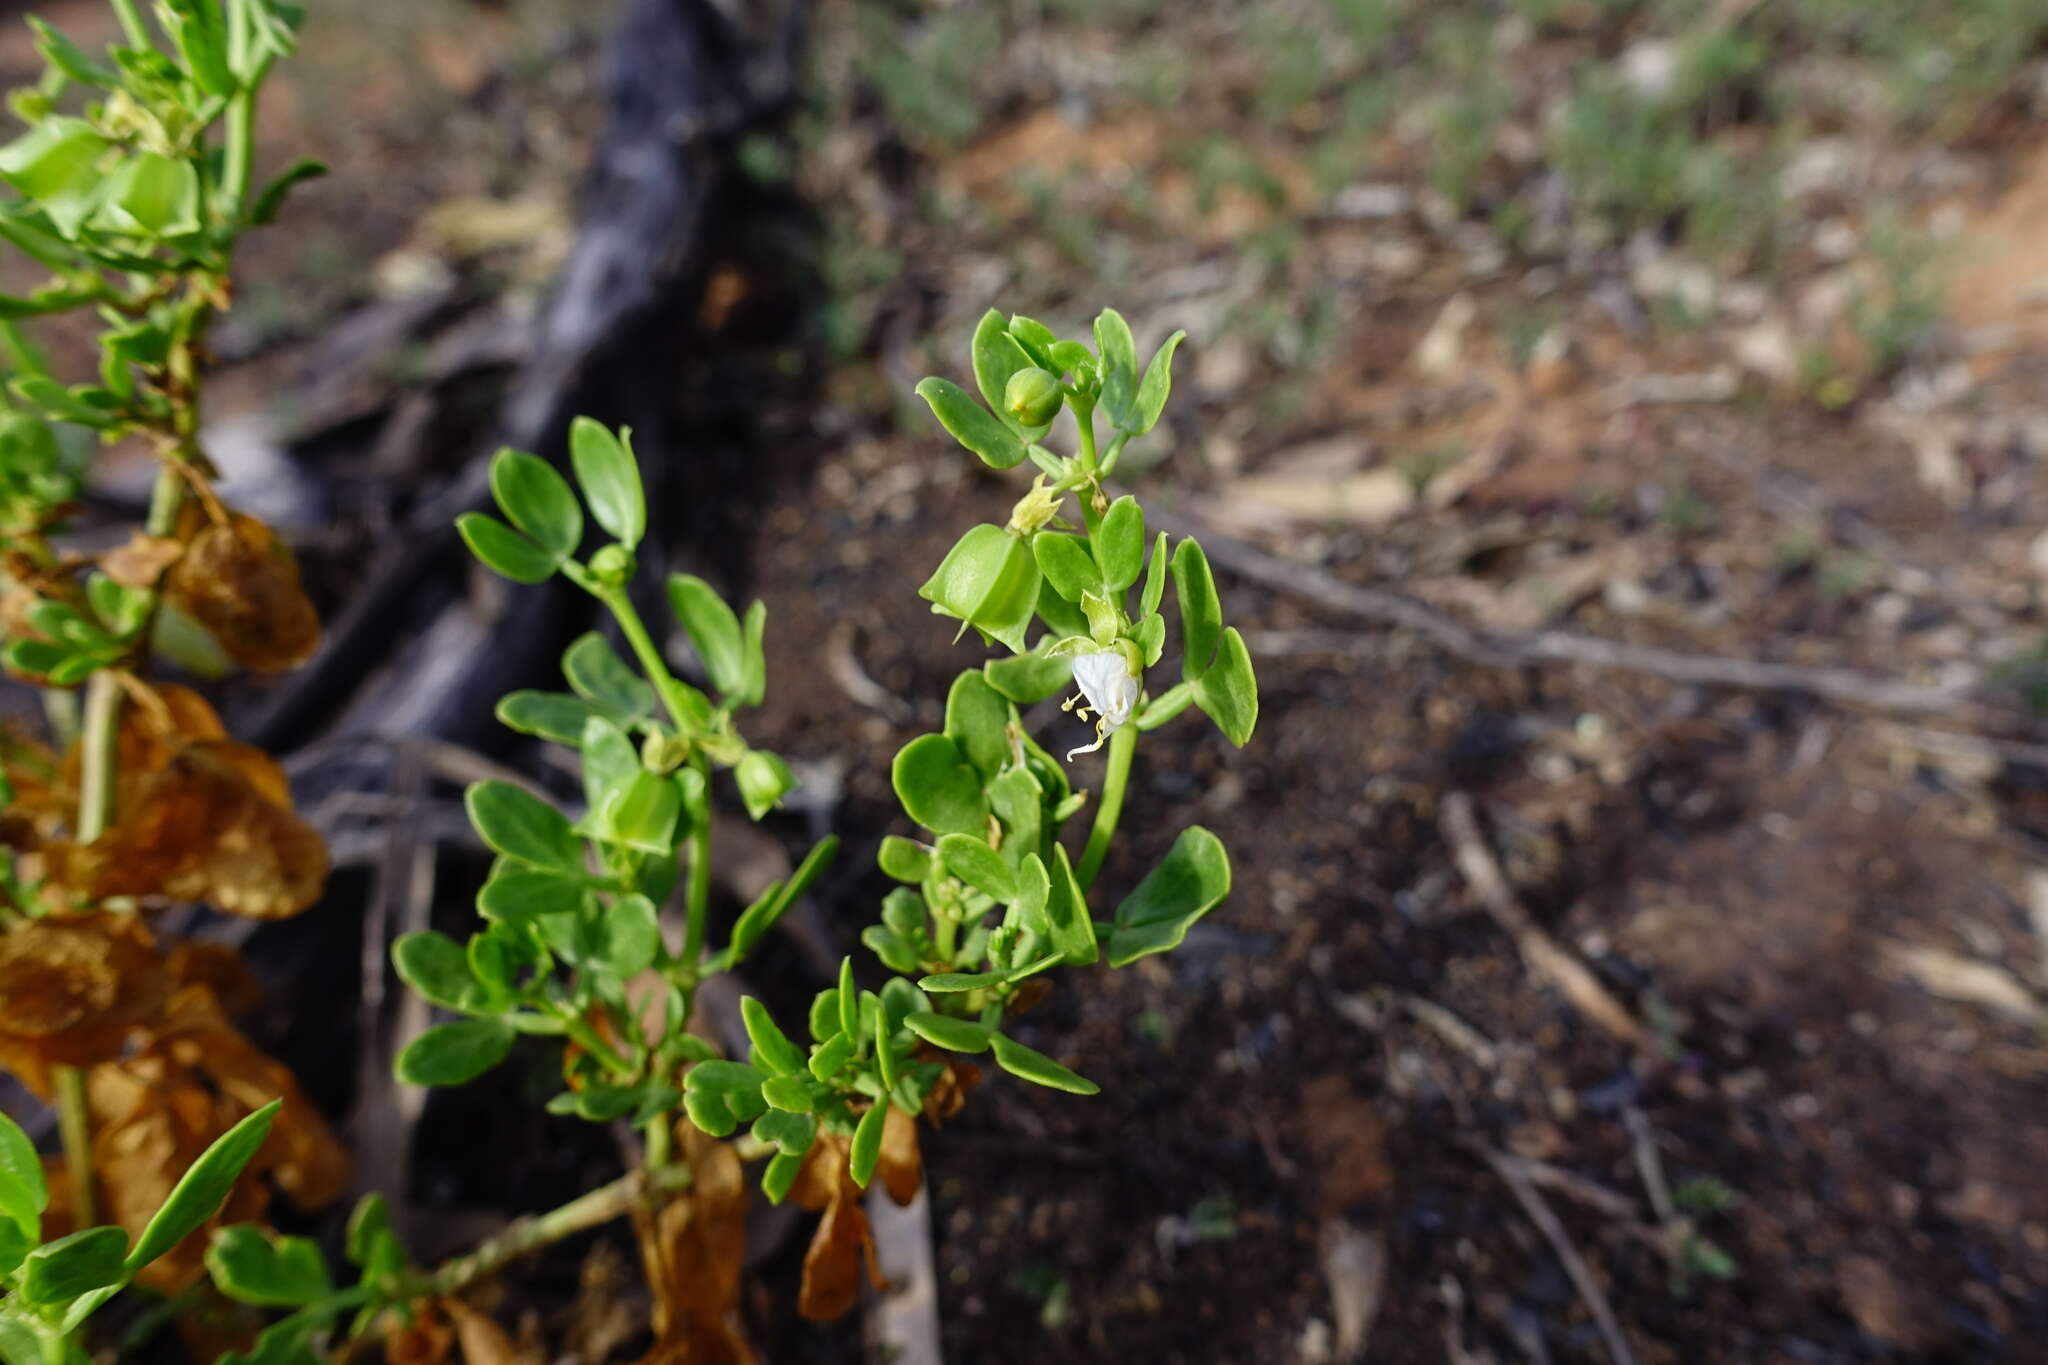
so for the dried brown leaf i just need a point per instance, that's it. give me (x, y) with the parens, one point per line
(213, 825)
(483, 1342)
(949, 1093)
(241, 583)
(72, 990)
(142, 561)
(832, 1265)
(900, 1164)
(426, 1340)
(694, 1247)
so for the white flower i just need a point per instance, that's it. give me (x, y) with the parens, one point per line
(1108, 686)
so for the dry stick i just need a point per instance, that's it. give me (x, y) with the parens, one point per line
(1511, 649)
(1540, 952)
(1561, 1245)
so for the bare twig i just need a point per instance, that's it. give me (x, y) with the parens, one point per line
(1517, 1181)
(1540, 952)
(1649, 1164)
(1513, 649)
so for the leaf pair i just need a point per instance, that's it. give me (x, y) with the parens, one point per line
(546, 520)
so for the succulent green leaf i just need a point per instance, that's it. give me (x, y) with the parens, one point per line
(773, 1052)
(1120, 543)
(866, 1150)
(504, 551)
(971, 424)
(518, 824)
(779, 1175)
(1035, 338)
(939, 788)
(753, 657)
(1154, 388)
(60, 52)
(538, 500)
(632, 936)
(517, 894)
(830, 1055)
(894, 951)
(455, 1054)
(23, 1194)
(1191, 881)
(1020, 1061)
(945, 983)
(270, 199)
(1229, 691)
(969, 858)
(202, 1188)
(713, 629)
(597, 673)
(791, 1094)
(904, 860)
(977, 719)
(56, 165)
(1066, 564)
(610, 479)
(954, 1035)
(849, 1000)
(60, 1271)
(1201, 613)
(997, 356)
(1119, 353)
(793, 1133)
(250, 1265)
(436, 966)
(1029, 678)
(719, 1096)
(1066, 912)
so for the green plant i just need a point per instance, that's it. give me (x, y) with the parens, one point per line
(572, 944)
(132, 189)
(51, 1288)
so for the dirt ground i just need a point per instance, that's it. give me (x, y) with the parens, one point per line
(1354, 1114)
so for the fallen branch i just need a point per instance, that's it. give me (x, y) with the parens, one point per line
(1514, 649)
(1560, 1242)
(1540, 952)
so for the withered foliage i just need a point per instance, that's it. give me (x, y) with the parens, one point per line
(142, 561)
(197, 817)
(72, 990)
(240, 581)
(844, 1241)
(693, 1248)
(156, 1109)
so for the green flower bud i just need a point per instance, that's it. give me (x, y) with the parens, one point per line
(663, 753)
(613, 565)
(764, 780)
(1032, 397)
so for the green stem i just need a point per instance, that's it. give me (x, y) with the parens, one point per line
(74, 1127)
(166, 499)
(659, 1135)
(60, 709)
(600, 1206)
(99, 749)
(644, 649)
(1084, 418)
(1122, 744)
(131, 23)
(697, 902)
(586, 1038)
